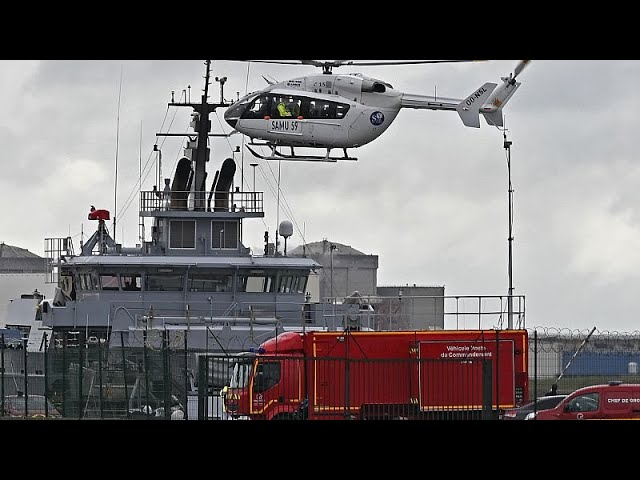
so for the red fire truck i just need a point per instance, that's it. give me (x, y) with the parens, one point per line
(433, 374)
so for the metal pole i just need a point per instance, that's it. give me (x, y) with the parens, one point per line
(345, 412)
(26, 380)
(2, 375)
(535, 371)
(206, 387)
(186, 379)
(64, 368)
(507, 146)
(100, 378)
(206, 338)
(202, 389)
(333, 298)
(400, 324)
(46, 382)
(81, 344)
(166, 384)
(124, 372)
(254, 165)
(146, 374)
(575, 354)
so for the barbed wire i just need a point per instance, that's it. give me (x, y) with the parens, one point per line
(552, 339)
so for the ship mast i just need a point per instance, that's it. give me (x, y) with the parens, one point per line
(202, 128)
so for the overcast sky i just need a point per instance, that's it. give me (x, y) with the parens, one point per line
(429, 196)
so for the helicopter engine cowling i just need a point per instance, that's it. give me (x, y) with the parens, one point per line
(372, 86)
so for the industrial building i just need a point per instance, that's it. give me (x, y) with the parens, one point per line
(21, 271)
(347, 270)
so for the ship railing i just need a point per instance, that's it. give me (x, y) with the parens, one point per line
(389, 313)
(141, 313)
(409, 312)
(235, 201)
(54, 250)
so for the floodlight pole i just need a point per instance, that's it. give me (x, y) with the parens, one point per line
(333, 298)
(254, 165)
(507, 147)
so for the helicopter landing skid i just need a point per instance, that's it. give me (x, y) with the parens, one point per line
(276, 155)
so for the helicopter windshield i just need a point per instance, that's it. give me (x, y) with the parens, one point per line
(235, 111)
(257, 108)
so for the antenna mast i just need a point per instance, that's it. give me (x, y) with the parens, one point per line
(115, 188)
(507, 147)
(202, 128)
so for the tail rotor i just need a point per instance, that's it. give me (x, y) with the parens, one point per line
(519, 68)
(492, 108)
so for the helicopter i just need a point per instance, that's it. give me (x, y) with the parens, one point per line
(330, 111)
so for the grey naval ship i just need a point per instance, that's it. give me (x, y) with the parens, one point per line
(193, 286)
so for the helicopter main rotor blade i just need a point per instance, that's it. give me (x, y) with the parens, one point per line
(520, 67)
(284, 62)
(366, 63)
(405, 62)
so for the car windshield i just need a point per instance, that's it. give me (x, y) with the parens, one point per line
(542, 403)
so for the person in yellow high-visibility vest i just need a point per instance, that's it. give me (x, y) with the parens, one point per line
(283, 110)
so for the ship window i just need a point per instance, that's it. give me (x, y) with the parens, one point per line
(162, 283)
(292, 284)
(89, 281)
(208, 282)
(241, 283)
(110, 281)
(132, 282)
(285, 284)
(182, 234)
(224, 235)
(300, 284)
(259, 283)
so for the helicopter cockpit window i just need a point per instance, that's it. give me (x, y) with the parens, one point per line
(258, 109)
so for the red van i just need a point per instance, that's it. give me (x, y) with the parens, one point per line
(612, 401)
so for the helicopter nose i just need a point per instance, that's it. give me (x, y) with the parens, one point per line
(233, 113)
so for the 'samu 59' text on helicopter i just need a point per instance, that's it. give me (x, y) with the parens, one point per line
(330, 111)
